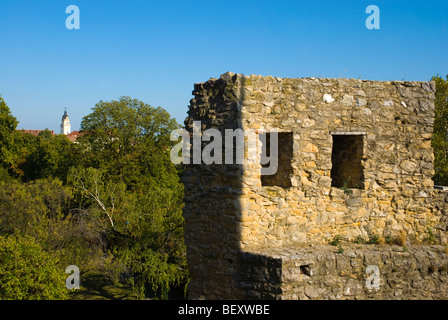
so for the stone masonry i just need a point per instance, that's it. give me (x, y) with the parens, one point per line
(354, 162)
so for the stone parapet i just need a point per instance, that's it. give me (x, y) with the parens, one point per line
(414, 272)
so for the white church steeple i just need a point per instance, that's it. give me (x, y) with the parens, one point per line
(65, 125)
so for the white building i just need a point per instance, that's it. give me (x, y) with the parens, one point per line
(65, 125)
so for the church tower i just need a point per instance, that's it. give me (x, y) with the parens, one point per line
(65, 125)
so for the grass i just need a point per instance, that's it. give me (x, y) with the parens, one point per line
(98, 286)
(373, 239)
(336, 241)
(401, 240)
(345, 187)
(430, 236)
(389, 240)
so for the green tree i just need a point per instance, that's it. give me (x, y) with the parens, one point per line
(104, 200)
(44, 210)
(128, 138)
(129, 185)
(27, 272)
(440, 139)
(43, 156)
(8, 124)
(144, 230)
(52, 156)
(112, 200)
(24, 145)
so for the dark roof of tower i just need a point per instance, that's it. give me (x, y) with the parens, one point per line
(65, 114)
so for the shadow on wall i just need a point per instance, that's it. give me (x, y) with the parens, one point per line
(218, 267)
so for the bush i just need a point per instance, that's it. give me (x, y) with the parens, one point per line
(27, 272)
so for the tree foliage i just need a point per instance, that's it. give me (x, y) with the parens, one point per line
(132, 189)
(29, 272)
(440, 139)
(8, 124)
(42, 209)
(51, 156)
(110, 202)
(128, 139)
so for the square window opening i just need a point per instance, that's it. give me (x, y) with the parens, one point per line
(346, 155)
(282, 177)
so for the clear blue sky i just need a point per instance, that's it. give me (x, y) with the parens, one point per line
(155, 51)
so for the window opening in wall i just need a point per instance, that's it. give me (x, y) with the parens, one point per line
(282, 177)
(347, 170)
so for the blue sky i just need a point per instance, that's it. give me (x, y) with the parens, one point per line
(155, 51)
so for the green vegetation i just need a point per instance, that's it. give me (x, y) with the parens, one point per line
(110, 204)
(430, 236)
(335, 241)
(440, 138)
(373, 239)
(8, 125)
(376, 239)
(359, 239)
(345, 187)
(99, 286)
(29, 272)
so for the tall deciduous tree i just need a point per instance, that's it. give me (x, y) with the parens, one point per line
(130, 186)
(123, 135)
(8, 124)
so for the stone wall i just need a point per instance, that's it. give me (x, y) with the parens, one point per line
(382, 129)
(415, 272)
(394, 123)
(212, 199)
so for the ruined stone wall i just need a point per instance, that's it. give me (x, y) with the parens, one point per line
(385, 130)
(212, 205)
(404, 273)
(394, 123)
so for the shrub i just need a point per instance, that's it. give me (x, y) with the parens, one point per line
(373, 239)
(336, 240)
(27, 272)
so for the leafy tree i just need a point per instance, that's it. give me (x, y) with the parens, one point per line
(144, 229)
(440, 139)
(29, 272)
(51, 157)
(131, 188)
(42, 209)
(113, 200)
(127, 138)
(8, 124)
(46, 134)
(42, 156)
(24, 144)
(104, 200)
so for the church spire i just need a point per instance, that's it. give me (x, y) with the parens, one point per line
(65, 125)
